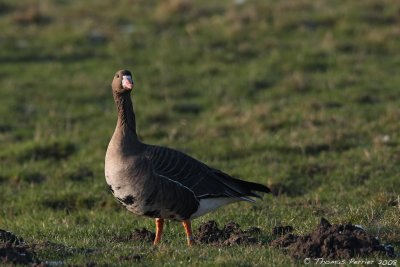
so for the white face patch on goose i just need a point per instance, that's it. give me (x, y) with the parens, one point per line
(127, 82)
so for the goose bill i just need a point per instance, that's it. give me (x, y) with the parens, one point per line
(127, 82)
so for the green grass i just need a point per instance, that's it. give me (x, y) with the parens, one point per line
(300, 95)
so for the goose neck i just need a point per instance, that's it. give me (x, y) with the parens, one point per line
(126, 116)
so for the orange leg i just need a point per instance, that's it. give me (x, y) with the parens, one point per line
(159, 230)
(188, 229)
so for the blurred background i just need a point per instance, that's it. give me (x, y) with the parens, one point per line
(300, 95)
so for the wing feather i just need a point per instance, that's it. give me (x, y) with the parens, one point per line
(203, 181)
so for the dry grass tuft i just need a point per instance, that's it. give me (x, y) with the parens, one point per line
(169, 9)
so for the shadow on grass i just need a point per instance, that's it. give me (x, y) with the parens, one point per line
(33, 57)
(29, 177)
(58, 251)
(338, 145)
(312, 149)
(4, 128)
(70, 202)
(301, 180)
(56, 150)
(82, 173)
(187, 108)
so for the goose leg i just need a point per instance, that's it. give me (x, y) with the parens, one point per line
(188, 230)
(159, 230)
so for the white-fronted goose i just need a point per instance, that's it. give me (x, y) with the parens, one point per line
(160, 182)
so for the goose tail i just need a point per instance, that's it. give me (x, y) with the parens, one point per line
(243, 188)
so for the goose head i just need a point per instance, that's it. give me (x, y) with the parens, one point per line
(122, 82)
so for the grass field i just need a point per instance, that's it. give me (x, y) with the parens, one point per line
(303, 96)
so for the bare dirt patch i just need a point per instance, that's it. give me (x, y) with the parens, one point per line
(337, 241)
(230, 234)
(54, 151)
(142, 235)
(138, 235)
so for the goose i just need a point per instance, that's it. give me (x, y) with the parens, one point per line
(160, 182)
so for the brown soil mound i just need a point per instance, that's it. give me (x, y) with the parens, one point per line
(142, 235)
(137, 235)
(13, 250)
(343, 241)
(230, 234)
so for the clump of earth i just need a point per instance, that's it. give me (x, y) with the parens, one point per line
(142, 235)
(13, 250)
(230, 234)
(337, 241)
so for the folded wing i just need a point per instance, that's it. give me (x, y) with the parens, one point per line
(204, 181)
